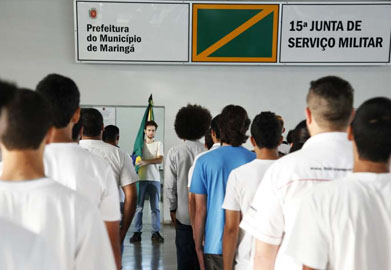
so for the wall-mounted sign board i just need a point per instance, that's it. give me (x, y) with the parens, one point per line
(234, 33)
(132, 32)
(335, 33)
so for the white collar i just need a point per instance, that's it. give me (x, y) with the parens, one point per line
(325, 137)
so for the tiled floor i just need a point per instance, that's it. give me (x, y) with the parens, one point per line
(147, 255)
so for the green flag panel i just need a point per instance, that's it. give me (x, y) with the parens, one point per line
(257, 41)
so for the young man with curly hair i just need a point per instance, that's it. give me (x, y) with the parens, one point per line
(191, 123)
(209, 182)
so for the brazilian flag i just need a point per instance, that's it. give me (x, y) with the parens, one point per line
(139, 142)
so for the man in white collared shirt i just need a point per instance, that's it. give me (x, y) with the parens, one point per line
(120, 162)
(327, 155)
(346, 224)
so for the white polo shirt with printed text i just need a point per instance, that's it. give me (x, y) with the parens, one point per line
(324, 157)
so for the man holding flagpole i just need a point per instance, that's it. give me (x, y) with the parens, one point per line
(148, 170)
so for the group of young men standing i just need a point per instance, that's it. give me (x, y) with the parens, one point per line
(259, 211)
(67, 198)
(326, 206)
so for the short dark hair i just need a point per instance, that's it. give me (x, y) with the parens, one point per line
(7, 91)
(28, 121)
(77, 127)
(289, 136)
(215, 126)
(191, 122)
(208, 139)
(299, 136)
(234, 123)
(330, 100)
(279, 117)
(110, 133)
(372, 129)
(92, 122)
(150, 123)
(63, 96)
(266, 130)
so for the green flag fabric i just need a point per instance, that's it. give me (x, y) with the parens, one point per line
(139, 142)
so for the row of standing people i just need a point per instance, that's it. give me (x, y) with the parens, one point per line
(68, 224)
(248, 210)
(65, 197)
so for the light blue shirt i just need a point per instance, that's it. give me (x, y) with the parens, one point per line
(210, 178)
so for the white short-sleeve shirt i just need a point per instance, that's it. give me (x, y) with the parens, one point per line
(87, 173)
(345, 224)
(23, 249)
(119, 160)
(324, 157)
(68, 222)
(241, 187)
(152, 150)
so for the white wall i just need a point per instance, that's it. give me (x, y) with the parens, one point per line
(36, 38)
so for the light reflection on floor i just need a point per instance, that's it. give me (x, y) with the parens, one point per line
(147, 255)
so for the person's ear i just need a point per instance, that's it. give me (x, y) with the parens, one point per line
(252, 140)
(350, 133)
(76, 116)
(308, 116)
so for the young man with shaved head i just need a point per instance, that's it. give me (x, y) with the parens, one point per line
(326, 156)
(346, 224)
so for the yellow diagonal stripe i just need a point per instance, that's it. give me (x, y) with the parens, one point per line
(252, 21)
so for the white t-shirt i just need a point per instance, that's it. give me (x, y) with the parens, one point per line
(324, 157)
(120, 161)
(89, 174)
(68, 222)
(151, 171)
(191, 170)
(241, 187)
(345, 225)
(21, 249)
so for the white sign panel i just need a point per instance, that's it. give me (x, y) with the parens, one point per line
(132, 32)
(335, 33)
(109, 115)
